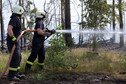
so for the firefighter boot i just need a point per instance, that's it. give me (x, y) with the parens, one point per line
(28, 70)
(14, 78)
(21, 76)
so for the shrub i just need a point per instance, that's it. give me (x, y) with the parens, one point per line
(56, 58)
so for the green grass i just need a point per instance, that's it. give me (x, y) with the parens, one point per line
(77, 60)
(3, 61)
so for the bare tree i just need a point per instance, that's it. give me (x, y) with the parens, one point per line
(81, 35)
(62, 12)
(68, 37)
(2, 28)
(10, 4)
(113, 9)
(24, 24)
(121, 24)
(20, 3)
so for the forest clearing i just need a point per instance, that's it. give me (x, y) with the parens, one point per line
(67, 42)
(77, 66)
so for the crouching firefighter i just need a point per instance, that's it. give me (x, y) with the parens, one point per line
(14, 29)
(38, 42)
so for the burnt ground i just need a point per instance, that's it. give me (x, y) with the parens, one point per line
(71, 78)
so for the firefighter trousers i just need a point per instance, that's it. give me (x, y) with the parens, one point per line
(37, 51)
(15, 61)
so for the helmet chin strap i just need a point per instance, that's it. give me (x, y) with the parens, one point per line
(14, 14)
(19, 15)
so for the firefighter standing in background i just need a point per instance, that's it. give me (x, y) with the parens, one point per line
(38, 42)
(14, 29)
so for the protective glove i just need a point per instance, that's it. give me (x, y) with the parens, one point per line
(14, 40)
(45, 30)
(47, 34)
(53, 31)
(49, 31)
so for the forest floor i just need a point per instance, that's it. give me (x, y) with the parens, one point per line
(77, 77)
(71, 78)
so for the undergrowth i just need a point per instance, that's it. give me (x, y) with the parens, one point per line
(60, 59)
(76, 60)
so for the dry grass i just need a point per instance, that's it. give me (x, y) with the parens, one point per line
(3, 61)
(105, 61)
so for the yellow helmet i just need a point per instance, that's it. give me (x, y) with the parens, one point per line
(40, 14)
(18, 10)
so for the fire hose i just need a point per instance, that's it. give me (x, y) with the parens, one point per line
(12, 51)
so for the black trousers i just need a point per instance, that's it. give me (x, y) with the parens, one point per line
(37, 51)
(15, 61)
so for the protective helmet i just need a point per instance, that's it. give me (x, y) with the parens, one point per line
(40, 14)
(18, 10)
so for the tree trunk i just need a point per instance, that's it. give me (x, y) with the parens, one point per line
(81, 35)
(20, 3)
(62, 13)
(24, 24)
(55, 10)
(121, 24)
(68, 37)
(2, 29)
(94, 49)
(10, 4)
(113, 9)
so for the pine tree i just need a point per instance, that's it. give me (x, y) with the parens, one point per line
(68, 37)
(113, 11)
(2, 27)
(121, 24)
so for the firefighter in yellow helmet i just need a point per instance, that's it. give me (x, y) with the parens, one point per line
(38, 42)
(13, 31)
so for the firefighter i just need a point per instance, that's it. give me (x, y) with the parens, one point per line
(38, 42)
(13, 31)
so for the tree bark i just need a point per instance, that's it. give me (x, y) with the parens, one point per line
(81, 35)
(62, 13)
(68, 37)
(10, 5)
(20, 3)
(24, 24)
(113, 9)
(2, 29)
(121, 24)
